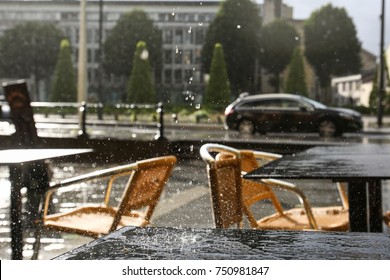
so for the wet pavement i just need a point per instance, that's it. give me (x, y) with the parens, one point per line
(184, 203)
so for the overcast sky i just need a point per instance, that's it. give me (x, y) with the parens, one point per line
(364, 13)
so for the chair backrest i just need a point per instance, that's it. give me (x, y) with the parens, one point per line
(252, 191)
(18, 98)
(145, 186)
(224, 177)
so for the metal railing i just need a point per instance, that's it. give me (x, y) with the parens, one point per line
(82, 109)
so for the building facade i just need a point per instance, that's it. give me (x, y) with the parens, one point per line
(183, 23)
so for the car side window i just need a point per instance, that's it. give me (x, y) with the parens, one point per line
(294, 105)
(268, 104)
(291, 104)
(272, 104)
(250, 105)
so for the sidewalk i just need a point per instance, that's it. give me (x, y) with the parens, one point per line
(184, 203)
(369, 123)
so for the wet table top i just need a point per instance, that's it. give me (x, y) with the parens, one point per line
(339, 163)
(16, 156)
(15, 159)
(188, 244)
(360, 165)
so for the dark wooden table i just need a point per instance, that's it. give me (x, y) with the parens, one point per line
(14, 159)
(362, 166)
(134, 243)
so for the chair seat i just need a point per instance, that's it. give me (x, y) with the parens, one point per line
(93, 221)
(334, 218)
(386, 218)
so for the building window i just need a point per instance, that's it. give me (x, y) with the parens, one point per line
(187, 57)
(69, 16)
(181, 17)
(178, 76)
(188, 76)
(168, 56)
(161, 17)
(179, 36)
(188, 37)
(89, 35)
(167, 36)
(168, 76)
(178, 56)
(198, 56)
(89, 55)
(199, 34)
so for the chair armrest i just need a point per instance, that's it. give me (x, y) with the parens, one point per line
(302, 198)
(111, 173)
(118, 170)
(211, 147)
(265, 155)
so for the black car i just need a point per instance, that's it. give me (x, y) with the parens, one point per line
(283, 112)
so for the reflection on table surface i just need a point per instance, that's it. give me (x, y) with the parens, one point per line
(184, 243)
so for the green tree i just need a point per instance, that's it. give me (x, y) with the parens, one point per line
(279, 39)
(218, 90)
(296, 78)
(140, 87)
(64, 81)
(30, 49)
(119, 47)
(237, 25)
(331, 44)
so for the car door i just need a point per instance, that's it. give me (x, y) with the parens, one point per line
(266, 114)
(261, 112)
(296, 116)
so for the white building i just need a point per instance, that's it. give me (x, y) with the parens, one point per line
(351, 90)
(275, 9)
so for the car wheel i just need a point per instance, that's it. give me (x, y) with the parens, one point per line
(327, 128)
(246, 127)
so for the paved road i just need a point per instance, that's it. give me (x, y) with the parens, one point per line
(186, 199)
(56, 126)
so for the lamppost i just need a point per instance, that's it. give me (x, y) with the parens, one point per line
(82, 68)
(100, 70)
(381, 64)
(82, 59)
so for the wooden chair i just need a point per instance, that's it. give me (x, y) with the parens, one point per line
(386, 218)
(224, 177)
(333, 218)
(142, 191)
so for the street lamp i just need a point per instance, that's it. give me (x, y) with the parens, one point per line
(100, 69)
(82, 68)
(82, 59)
(381, 64)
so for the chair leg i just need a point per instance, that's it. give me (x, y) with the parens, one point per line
(38, 231)
(37, 242)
